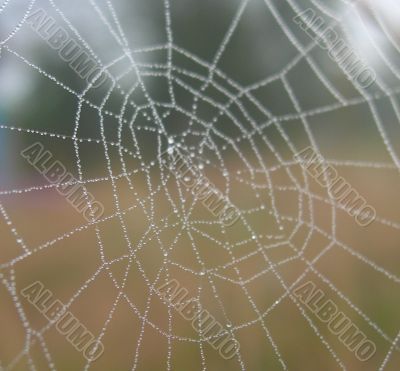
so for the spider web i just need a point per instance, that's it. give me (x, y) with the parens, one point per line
(154, 230)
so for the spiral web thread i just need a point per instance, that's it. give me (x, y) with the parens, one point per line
(248, 130)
